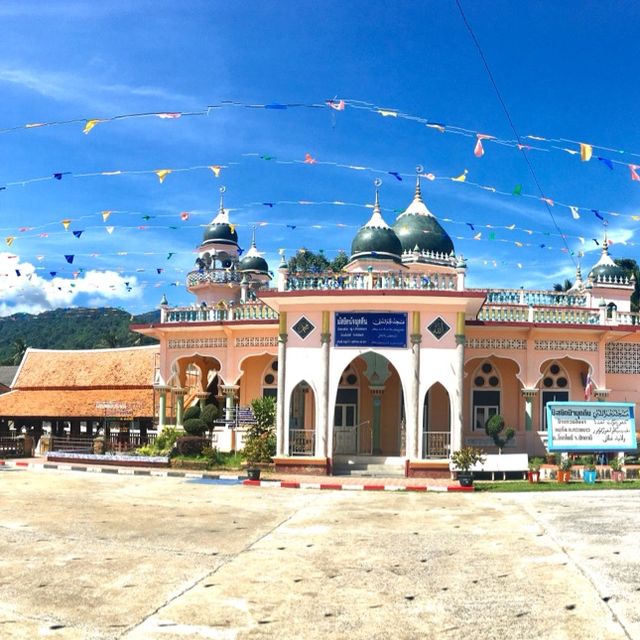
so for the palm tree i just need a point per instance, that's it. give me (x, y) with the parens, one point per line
(561, 287)
(19, 348)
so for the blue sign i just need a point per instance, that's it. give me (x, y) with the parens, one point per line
(591, 426)
(358, 329)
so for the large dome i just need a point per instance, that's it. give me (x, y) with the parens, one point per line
(220, 230)
(418, 230)
(376, 239)
(253, 262)
(606, 271)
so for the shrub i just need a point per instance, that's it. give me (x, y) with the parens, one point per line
(162, 445)
(191, 413)
(191, 445)
(209, 414)
(195, 426)
(466, 458)
(495, 428)
(260, 438)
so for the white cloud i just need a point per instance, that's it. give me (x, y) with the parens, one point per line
(23, 290)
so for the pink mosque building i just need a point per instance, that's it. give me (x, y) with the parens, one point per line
(393, 361)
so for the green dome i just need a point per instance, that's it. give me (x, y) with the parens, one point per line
(254, 264)
(220, 230)
(418, 230)
(376, 239)
(606, 271)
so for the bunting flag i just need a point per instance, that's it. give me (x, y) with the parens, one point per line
(385, 113)
(574, 212)
(110, 230)
(162, 174)
(9, 240)
(337, 106)
(105, 215)
(69, 259)
(586, 150)
(184, 216)
(216, 168)
(168, 116)
(634, 174)
(462, 177)
(77, 234)
(517, 190)
(308, 159)
(549, 201)
(478, 236)
(90, 124)
(478, 151)
(170, 255)
(606, 162)
(65, 224)
(438, 127)
(395, 174)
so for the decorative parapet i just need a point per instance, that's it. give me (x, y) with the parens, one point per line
(213, 276)
(232, 313)
(369, 281)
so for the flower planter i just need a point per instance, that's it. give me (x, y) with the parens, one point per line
(589, 476)
(253, 474)
(533, 476)
(617, 476)
(465, 478)
(563, 476)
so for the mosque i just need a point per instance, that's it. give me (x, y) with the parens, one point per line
(392, 360)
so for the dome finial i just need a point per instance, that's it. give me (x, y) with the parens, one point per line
(418, 194)
(253, 236)
(376, 204)
(222, 190)
(605, 242)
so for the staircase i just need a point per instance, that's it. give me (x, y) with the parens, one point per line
(369, 466)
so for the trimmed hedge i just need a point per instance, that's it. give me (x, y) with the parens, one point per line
(191, 445)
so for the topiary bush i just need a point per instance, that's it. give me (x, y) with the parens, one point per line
(195, 426)
(192, 412)
(495, 428)
(191, 445)
(209, 414)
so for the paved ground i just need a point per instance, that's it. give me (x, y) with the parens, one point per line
(106, 556)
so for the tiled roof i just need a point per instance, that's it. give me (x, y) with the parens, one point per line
(78, 403)
(44, 368)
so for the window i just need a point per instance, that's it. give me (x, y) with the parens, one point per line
(485, 396)
(555, 383)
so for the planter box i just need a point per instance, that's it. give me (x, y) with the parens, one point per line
(106, 459)
(589, 476)
(563, 476)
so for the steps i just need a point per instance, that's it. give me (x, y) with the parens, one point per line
(369, 466)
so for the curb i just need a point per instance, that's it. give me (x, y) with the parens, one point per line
(283, 484)
(123, 471)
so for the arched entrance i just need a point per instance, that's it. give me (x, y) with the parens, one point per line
(302, 427)
(368, 416)
(436, 423)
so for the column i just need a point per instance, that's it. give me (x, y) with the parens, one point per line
(179, 394)
(529, 396)
(457, 422)
(413, 435)
(322, 424)
(162, 406)
(282, 352)
(229, 391)
(202, 398)
(601, 395)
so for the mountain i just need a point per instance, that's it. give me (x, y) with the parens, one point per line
(77, 328)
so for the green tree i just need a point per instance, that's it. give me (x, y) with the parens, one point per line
(339, 262)
(19, 347)
(260, 437)
(495, 428)
(306, 261)
(564, 286)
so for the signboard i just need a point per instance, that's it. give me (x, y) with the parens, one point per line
(591, 426)
(369, 329)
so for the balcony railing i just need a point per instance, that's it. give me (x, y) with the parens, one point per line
(535, 298)
(238, 313)
(515, 313)
(371, 281)
(436, 444)
(302, 442)
(213, 276)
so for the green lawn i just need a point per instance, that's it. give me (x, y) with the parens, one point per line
(507, 486)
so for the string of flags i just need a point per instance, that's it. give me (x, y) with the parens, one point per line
(583, 150)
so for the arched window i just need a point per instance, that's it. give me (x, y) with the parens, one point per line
(554, 386)
(270, 379)
(485, 393)
(611, 309)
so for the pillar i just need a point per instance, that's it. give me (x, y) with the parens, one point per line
(322, 424)
(282, 352)
(179, 393)
(457, 422)
(413, 435)
(529, 396)
(162, 406)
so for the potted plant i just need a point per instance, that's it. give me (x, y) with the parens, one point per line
(589, 471)
(617, 473)
(534, 469)
(260, 438)
(462, 461)
(564, 469)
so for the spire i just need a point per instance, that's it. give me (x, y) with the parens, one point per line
(376, 218)
(222, 216)
(253, 236)
(253, 249)
(605, 243)
(418, 194)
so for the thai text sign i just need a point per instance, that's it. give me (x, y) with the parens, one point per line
(594, 426)
(368, 329)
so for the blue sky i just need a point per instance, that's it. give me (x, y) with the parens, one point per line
(565, 71)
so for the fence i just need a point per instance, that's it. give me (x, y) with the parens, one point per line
(436, 444)
(11, 446)
(302, 442)
(355, 440)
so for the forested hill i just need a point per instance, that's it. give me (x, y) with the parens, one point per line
(70, 329)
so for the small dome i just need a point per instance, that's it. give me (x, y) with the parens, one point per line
(220, 230)
(606, 271)
(253, 262)
(418, 229)
(376, 239)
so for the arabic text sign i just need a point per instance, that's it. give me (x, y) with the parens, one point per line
(356, 329)
(599, 426)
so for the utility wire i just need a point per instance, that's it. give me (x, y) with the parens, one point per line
(521, 146)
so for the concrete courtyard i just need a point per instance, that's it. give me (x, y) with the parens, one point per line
(109, 556)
